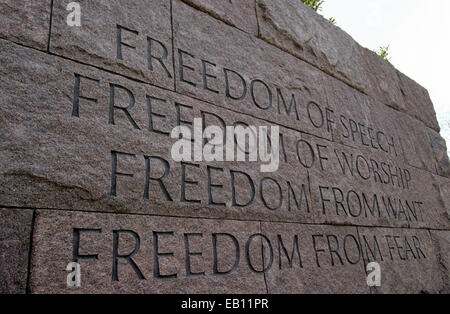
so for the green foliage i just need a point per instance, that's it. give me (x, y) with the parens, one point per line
(383, 52)
(316, 5)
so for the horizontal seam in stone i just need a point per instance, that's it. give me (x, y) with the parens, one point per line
(215, 218)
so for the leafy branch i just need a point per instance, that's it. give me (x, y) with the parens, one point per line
(383, 52)
(316, 5)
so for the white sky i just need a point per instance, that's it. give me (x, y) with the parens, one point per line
(418, 33)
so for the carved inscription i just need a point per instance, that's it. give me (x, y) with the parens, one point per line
(87, 130)
(152, 253)
(197, 183)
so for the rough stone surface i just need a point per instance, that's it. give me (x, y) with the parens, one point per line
(74, 161)
(240, 14)
(359, 118)
(444, 189)
(96, 41)
(15, 230)
(364, 123)
(85, 142)
(205, 38)
(417, 101)
(439, 151)
(316, 270)
(296, 28)
(255, 60)
(362, 186)
(25, 23)
(442, 244)
(54, 240)
(408, 259)
(416, 147)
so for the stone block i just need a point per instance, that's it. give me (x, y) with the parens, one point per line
(297, 29)
(134, 40)
(407, 257)
(145, 254)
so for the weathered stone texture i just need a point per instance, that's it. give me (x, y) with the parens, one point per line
(289, 258)
(359, 186)
(297, 29)
(314, 268)
(72, 151)
(145, 26)
(240, 14)
(85, 140)
(227, 53)
(364, 123)
(172, 271)
(441, 240)
(324, 105)
(79, 145)
(408, 259)
(439, 153)
(15, 231)
(26, 22)
(222, 244)
(417, 101)
(417, 146)
(444, 189)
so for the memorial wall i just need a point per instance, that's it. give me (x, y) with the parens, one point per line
(87, 173)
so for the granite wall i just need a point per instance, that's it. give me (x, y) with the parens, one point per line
(86, 173)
